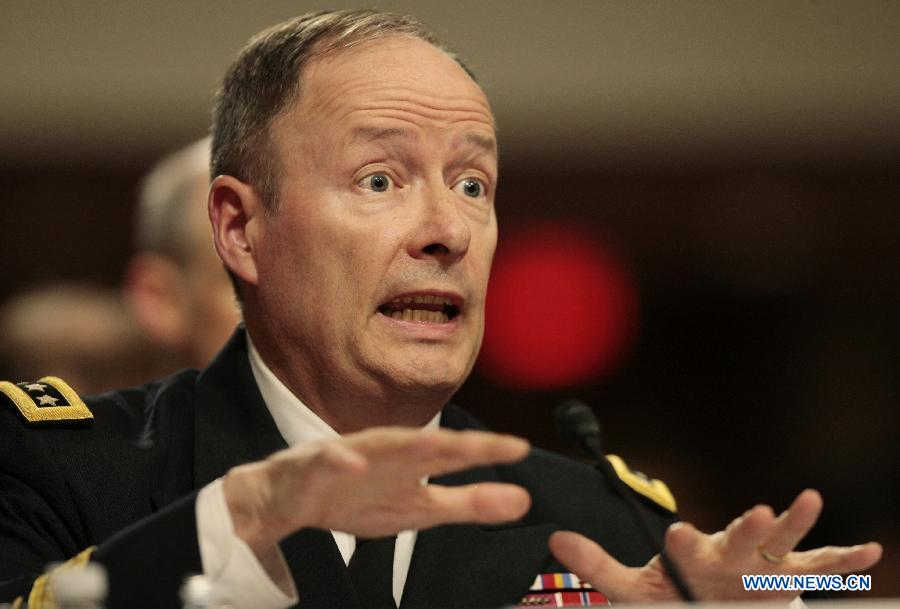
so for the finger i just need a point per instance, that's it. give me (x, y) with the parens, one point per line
(420, 452)
(833, 559)
(473, 447)
(590, 562)
(794, 523)
(331, 458)
(338, 457)
(486, 503)
(743, 536)
(683, 541)
(378, 442)
(444, 451)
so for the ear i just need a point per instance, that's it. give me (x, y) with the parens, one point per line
(154, 291)
(235, 211)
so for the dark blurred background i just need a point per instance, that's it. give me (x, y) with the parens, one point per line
(734, 166)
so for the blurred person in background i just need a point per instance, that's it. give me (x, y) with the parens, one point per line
(175, 286)
(176, 308)
(78, 331)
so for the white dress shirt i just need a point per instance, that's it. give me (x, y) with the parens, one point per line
(227, 560)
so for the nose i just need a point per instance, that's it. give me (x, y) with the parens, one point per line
(441, 231)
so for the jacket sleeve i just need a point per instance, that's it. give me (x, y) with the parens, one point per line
(39, 522)
(42, 523)
(147, 561)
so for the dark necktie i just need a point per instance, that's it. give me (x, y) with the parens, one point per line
(372, 572)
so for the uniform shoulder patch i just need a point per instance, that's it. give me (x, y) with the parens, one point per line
(48, 402)
(655, 490)
(41, 594)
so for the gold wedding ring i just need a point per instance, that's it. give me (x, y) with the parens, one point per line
(775, 560)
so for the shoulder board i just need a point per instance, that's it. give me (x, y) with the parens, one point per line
(655, 490)
(48, 402)
(41, 594)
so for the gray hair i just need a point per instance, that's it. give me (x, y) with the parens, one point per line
(265, 79)
(163, 200)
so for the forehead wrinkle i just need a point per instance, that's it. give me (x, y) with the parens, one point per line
(369, 134)
(364, 94)
(432, 120)
(389, 75)
(463, 141)
(443, 111)
(472, 145)
(390, 139)
(337, 97)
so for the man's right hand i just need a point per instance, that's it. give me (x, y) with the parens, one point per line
(370, 484)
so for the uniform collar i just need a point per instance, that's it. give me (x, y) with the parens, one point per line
(294, 419)
(296, 422)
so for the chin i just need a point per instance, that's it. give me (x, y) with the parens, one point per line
(429, 382)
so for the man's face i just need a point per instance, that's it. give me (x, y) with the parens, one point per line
(372, 275)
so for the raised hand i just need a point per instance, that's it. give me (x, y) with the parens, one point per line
(370, 484)
(755, 543)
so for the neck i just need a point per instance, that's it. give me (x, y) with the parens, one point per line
(346, 408)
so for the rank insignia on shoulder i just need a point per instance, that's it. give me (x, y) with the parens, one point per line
(48, 402)
(651, 488)
(561, 590)
(41, 595)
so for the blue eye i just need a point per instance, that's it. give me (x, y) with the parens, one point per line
(377, 182)
(471, 187)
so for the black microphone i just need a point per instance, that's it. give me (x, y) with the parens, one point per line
(576, 424)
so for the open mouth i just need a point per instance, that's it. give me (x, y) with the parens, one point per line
(425, 308)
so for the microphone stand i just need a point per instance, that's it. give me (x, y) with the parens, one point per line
(576, 422)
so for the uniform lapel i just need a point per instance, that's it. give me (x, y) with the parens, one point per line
(472, 565)
(475, 566)
(232, 424)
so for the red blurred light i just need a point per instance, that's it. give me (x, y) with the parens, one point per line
(560, 310)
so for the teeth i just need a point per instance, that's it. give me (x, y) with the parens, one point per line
(404, 308)
(422, 316)
(423, 299)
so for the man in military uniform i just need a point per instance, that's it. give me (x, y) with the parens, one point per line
(353, 204)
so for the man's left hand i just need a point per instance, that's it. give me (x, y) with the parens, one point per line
(712, 565)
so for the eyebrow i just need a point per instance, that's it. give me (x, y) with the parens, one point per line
(488, 144)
